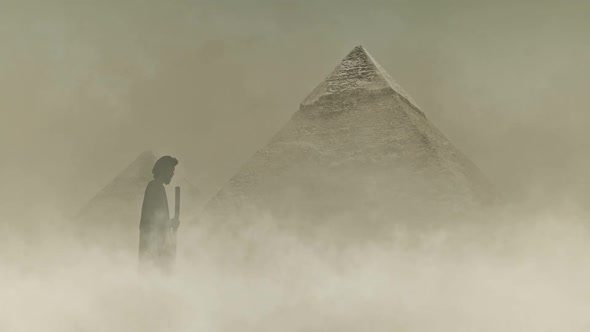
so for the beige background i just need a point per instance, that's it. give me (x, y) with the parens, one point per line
(85, 86)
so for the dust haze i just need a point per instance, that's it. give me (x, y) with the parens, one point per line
(85, 87)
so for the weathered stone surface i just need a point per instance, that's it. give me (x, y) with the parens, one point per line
(358, 148)
(357, 71)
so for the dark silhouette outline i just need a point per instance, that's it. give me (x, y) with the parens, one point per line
(156, 252)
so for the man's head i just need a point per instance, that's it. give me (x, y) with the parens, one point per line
(164, 169)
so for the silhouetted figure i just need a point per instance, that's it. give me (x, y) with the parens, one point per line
(155, 227)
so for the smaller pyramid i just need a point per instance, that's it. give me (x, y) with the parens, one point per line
(112, 216)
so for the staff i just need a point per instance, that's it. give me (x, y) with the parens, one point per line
(157, 232)
(177, 218)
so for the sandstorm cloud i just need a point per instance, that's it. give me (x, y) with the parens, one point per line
(86, 86)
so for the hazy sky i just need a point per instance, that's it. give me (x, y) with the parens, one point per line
(85, 86)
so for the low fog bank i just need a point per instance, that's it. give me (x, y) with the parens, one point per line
(526, 271)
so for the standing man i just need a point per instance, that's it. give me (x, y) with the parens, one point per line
(156, 226)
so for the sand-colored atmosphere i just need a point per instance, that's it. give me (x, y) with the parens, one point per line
(494, 92)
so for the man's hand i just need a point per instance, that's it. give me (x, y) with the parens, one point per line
(174, 223)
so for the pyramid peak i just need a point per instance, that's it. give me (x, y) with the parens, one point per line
(147, 154)
(358, 48)
(140, 167)
(358, 70)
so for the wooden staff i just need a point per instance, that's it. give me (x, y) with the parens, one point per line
(177, 202)
(177, 217)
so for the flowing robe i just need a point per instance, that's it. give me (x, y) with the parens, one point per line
(154, 229)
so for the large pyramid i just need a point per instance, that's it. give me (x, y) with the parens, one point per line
(358, 148)
(112, 216)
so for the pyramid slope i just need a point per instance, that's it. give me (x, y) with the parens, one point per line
(128, 187)
(124, 191)
(357, 144)
(128, 183)
(116, 208)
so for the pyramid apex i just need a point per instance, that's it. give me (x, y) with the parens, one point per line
(147, 154)
(358, 71)
(363, 50)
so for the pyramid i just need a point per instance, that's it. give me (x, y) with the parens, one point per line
(112, 216)
(359, 147)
